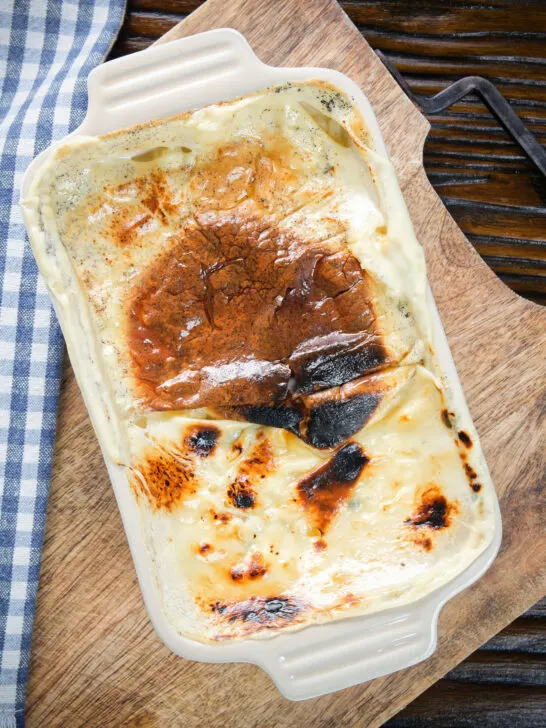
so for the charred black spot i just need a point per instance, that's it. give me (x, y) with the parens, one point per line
(252, 617)
(328, 399)
(287, 418)
(265, 612)
(469, 470)
(328, 423)
(446, 419)
(322, 491)
(464, 438)
(433, 511)
(244, 500)
(282, 608)
(476, 487)
(336, 368)
(274, 606)
(203, 440)
(347, 463)
(434, 515)
(241, 497)
(333, 422)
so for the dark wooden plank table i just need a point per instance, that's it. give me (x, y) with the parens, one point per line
(499, 200)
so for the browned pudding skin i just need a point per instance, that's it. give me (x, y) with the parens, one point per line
(237, 312)
(243, 314)
(250, 322)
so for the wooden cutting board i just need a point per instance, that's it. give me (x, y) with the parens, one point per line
(96, 661)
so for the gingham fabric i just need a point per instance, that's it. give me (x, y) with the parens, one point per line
(47, 49)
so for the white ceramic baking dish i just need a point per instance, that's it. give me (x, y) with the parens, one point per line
(187, 74)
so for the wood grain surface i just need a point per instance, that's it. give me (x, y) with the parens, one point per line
(97, 662)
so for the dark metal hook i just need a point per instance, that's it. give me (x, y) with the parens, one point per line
(493, 99)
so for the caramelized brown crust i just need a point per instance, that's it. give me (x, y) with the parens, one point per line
(164, 477)
(242, 310)
(240, 313)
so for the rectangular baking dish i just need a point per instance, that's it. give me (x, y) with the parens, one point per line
(186, 74)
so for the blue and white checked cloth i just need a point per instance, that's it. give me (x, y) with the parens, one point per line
(47, 49)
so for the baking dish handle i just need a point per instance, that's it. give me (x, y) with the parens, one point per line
(130, 90)
(340, 658)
